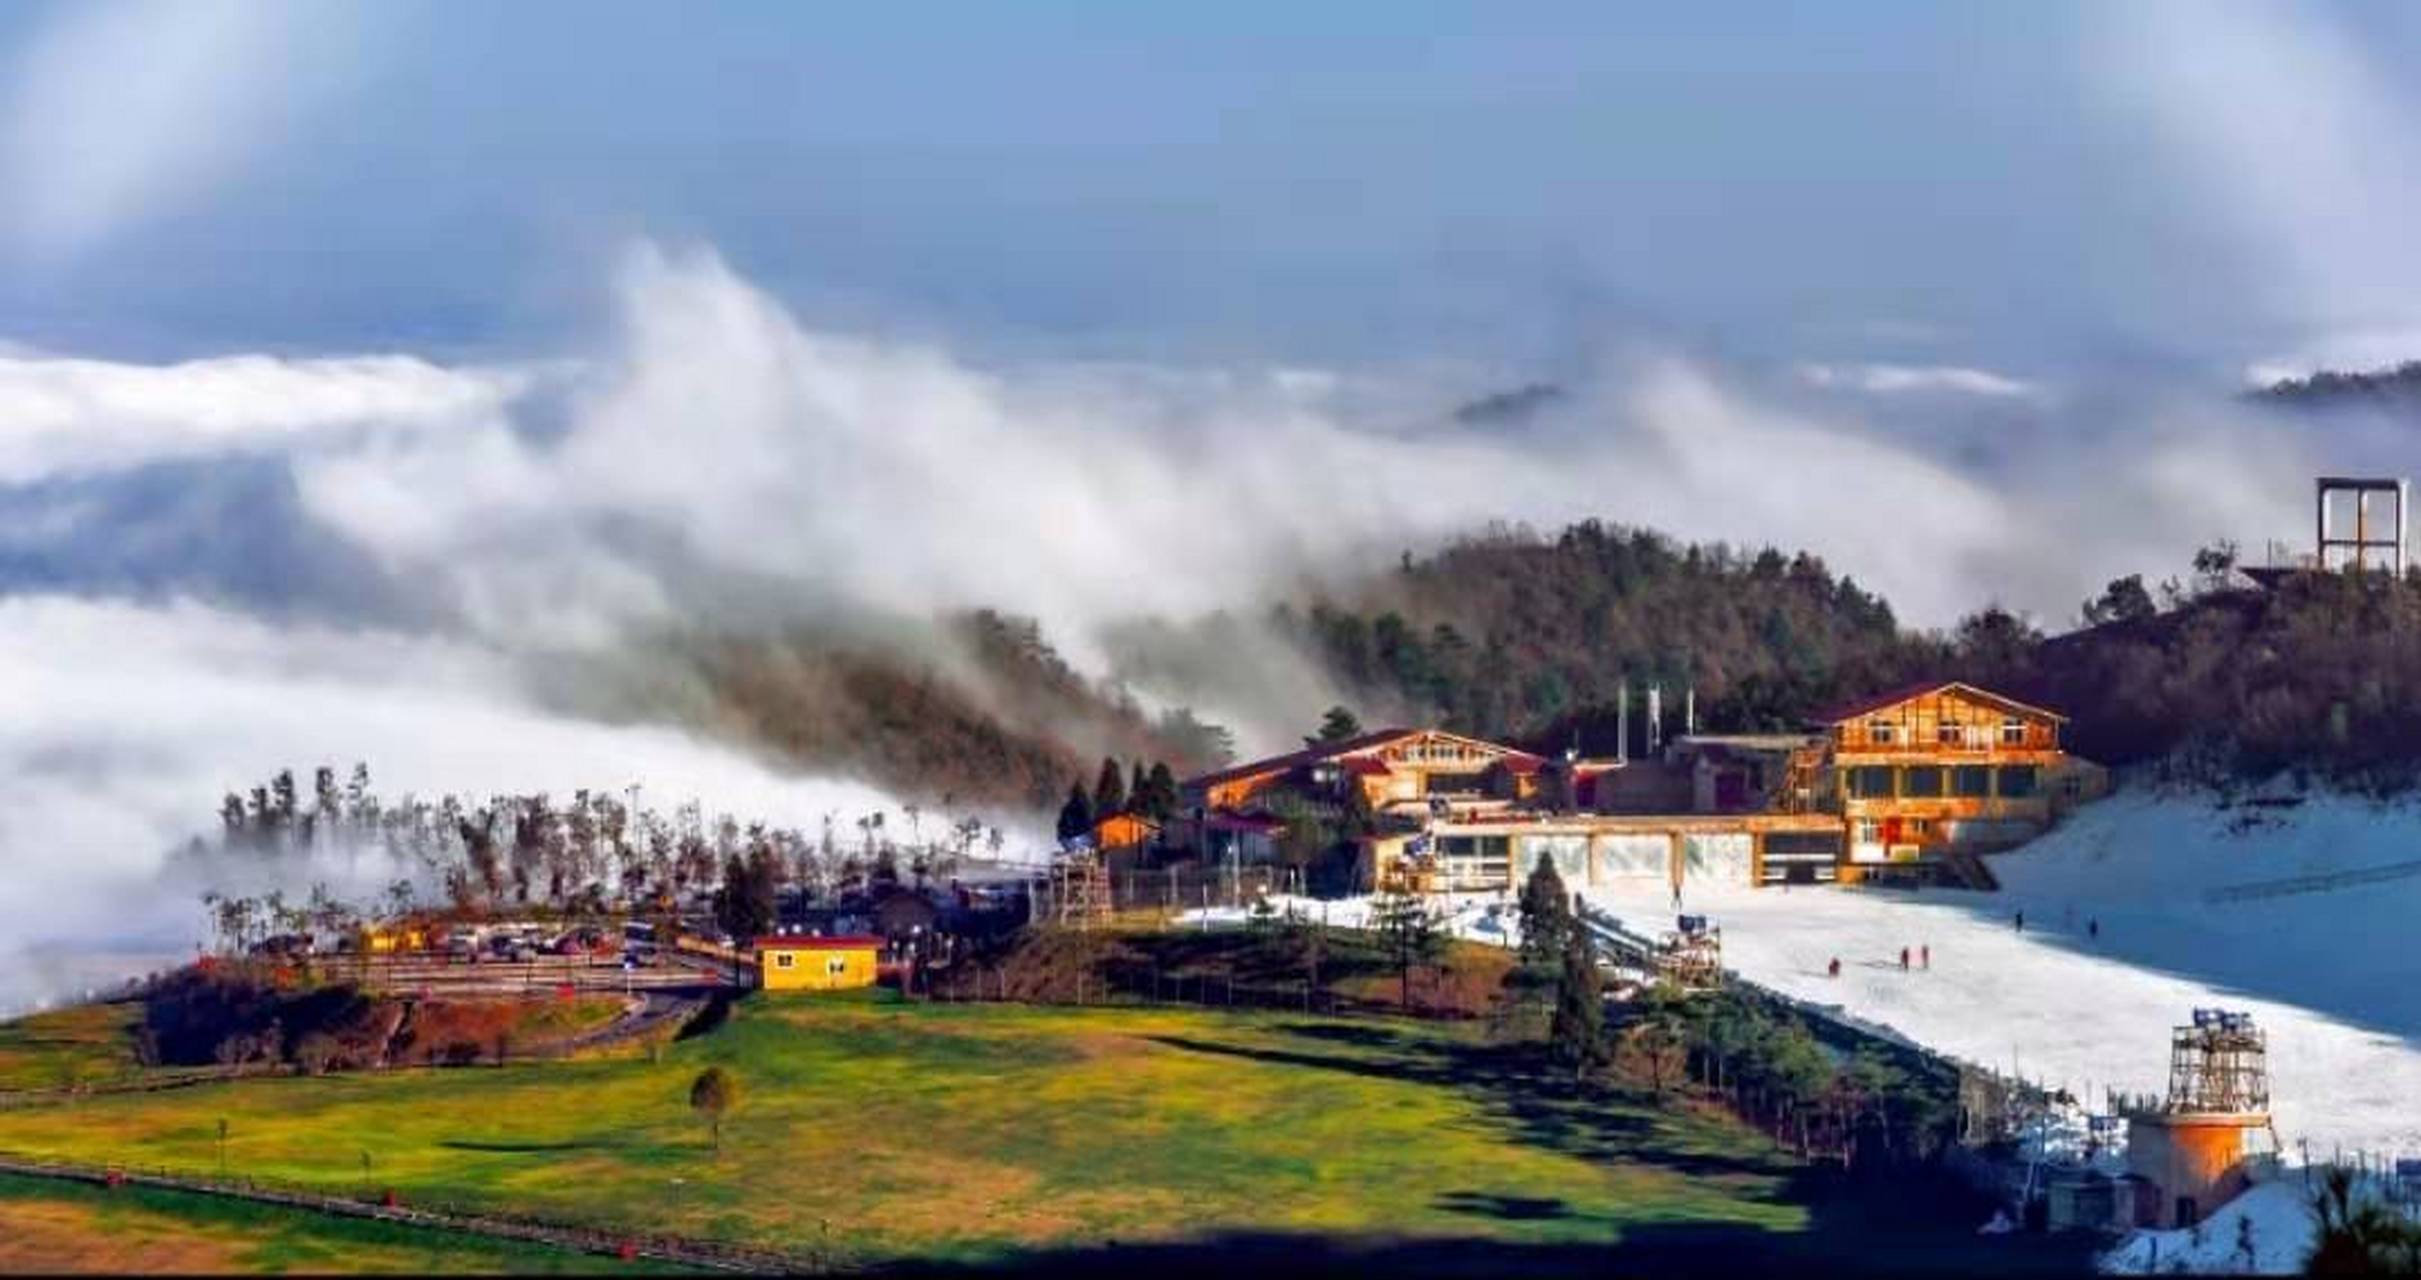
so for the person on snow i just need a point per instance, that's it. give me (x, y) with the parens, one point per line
(1903, 959)
(1833, 970)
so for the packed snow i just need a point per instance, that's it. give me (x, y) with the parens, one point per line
(2265, 1231)
(2324, 971)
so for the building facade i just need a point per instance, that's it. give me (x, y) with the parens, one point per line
(1905, 785)
(1918, 772)
(807, 962)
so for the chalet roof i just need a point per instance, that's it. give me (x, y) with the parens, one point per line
(1297, 759)
(1873, 702)
(814, 942)
(1348, 747)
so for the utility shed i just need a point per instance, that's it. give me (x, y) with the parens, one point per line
(806, 962)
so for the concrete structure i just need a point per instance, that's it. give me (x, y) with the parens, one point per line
(808, 962)
(2199, 1148)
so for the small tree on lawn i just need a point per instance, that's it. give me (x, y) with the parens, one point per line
(1546, 922)
(1577, 1032)
(713, 1094)
(1409, 934)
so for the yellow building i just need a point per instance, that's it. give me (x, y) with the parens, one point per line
(803, 962)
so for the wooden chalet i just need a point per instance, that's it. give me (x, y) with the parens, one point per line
(1908, 784)
(1947, 765)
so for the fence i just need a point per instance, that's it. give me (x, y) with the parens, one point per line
(605, 1239)
(2312, 884)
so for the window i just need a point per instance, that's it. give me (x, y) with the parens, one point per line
(2017, 781)
(1950, 733)
(1870, 782)
(1881, 731)
(784, 960)
(2013, 732)
(1971, 782)
(836, 966)
(1916, 828)
(1921, 780)
(1869, 831)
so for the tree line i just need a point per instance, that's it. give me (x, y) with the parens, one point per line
(595, 853)
(1135, 790)
(1760, 1060)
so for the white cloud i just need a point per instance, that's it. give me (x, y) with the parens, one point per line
(122, 108)
(120, 725)
(64, 416)
(905, 480)
(1892, 379)
(2296, 144)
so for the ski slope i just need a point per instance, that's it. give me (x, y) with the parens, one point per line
(2327, 972)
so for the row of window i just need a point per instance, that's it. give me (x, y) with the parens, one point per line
(1931, 781)
(1950, 733)
(834, 966)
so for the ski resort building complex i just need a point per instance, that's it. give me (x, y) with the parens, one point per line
(1908, 786)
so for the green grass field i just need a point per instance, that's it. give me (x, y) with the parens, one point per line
(85, 1044)
(49, 1226)
(968, 1132)
(875, 1131)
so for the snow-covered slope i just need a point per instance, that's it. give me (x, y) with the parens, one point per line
(2330, 973)
(2265, 1231)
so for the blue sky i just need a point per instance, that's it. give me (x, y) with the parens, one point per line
(1329, 182)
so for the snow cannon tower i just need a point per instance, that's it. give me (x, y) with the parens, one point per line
(1080, 887)
(2197, 1148)
(1692, 956)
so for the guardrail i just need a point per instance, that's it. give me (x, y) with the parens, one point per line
(389, 1207)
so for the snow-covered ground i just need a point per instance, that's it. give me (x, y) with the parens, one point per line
(1478, 917)
(2279, 1235)
(2329, 974)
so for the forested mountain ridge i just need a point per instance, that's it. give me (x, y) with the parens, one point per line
(2398, 388)
(1524, 637)
(1512, 634)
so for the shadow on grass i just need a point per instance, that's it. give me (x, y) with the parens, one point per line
(1489, 1204)
(1544, 1111)
(1672, 1249)
(1916, 1222)
(526, 1148)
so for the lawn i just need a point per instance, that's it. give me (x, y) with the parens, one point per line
(882, 1130)
(50, 1226)
(85, 1044)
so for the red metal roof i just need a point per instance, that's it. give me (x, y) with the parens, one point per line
(811, 942)
(1329, 751)
(1873, 702)
(1296, 759)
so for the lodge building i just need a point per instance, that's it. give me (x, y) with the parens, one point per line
(1905, 786)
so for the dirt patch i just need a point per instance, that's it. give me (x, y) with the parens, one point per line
(47, 1237)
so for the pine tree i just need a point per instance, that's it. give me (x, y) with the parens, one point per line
(1546, 918)
(1076, 816)
(1161, 788)
(1577, 1035)
(1337, 724)
(1109, 792)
